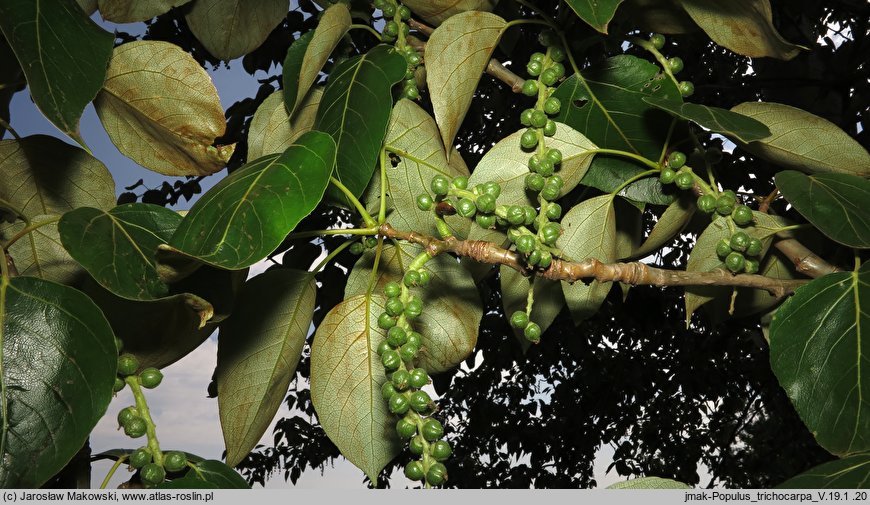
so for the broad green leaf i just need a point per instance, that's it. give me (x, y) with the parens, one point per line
(218, 474)
(59, 365)
(833, 203)
(232, 28)
(307, 55)
(63, 54)
(804, 141)
(271, 131)
(629, 228)
(89, 6)
(355, 111)
(413, 137)
(246, 215)
(451, 306)
(649, 483)
(515, 287)
(852, 472)
(117, 247)
(608, 107)
(703, 257)
(258, 350)
(346, 380)
(596, 13)
(43, 177)
(715, 119)
(817, 353)
(161, 110)
(457, 53)
(588, 231)
(669, 224)
(435, 12)
(131, 11)
(743, 26)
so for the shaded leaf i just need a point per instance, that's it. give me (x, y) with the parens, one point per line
(852, 472)
(89, 6)
(588, 231)
(271, 131)
(659, 16)
(669, 224)
(804, 141)
(743, 26)
(435, 12)
(131, 11)
(833, 203)
(457, 53)
(817, 354)
(117, 247)
(549, 299)
(218, 474)
(258, 350)
(649, 483)
(307, 55)
(231, 28)
(715, 119)
(246, 215)
(161, 110)
(59, 365)
(44, 177)
(346, 380)
(63, 54)
(452, 308)
(355, 111)
(596, 13)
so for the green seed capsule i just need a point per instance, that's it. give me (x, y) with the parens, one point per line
(411, 278)
(421, 402)
(539, 119)
(526, 117)
(391, 28)
(460, 182)
(539, 57)
(554, 155)
(383, 347)
(751, 266)
(554, 211)
(675, 64)
(119, 384)
(392, 289)
(391, 360)
(534, 68)
(742, 215)
(534, 182)
(440, 185)
(534, 258)
(150, 378)
(735, 262)
(135, 427)
(404, 13)
(667, 176)
(546, 260)
(754, 247)
(401, 380)
(388, 390)
(174, 461)
(525, 244)
(531, 214)
(416, 445)
(485, 203)
(549, 193)
(127, 364)
(519, 319)
(684, 180)
(152, 474)
(357, 248)
(418, 378)
(437, 474)
(397, 335)
(707, 203)
(557, 54)
(126, 415)
(676, 160)
(725, 203)
(559, 70)
(415, 339)
(140, 457)
(686, 88)
(657, 40)
(466, 208)
(414, 306)
(550, 128)
(550, 233)
(492, 188)
(552, 106)
(723, 248)
(530, 87)
(424, 202)
(516, 215)
(409, 352)
(485, 221)
(414, 470)
(546, 167)
(529, 139)
(532, 332)
(385, 322)
(440, 450)
(549, 76)
(371, 242)
(432, 429)
(739, 241)
(405, 429)
(399, 404)
(394, 307)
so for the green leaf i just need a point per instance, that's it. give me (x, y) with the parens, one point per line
(246, 215)
(346, 380)
(724, 121)
(307, 55)
(161, 109)
(852, 472)
(63, 53)
(355, 110)
(59, 365)
(659, 16)
(413, 137)
(596, 13)
(703, 257)
(515, 287)
(271, 131)
(131, 11)
(669, 224)
(649, 483)
(258, 350)
(804, 141)
(434, 12)
(816, 352)
(218, 474)
(117, 247)
(44, 177)
(588, 231)
(833, 203)
(457, 53)
(452, 308)
(743, 26)
(232, 28)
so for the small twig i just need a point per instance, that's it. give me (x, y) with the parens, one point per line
(804, 260)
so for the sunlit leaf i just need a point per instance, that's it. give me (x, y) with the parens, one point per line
(63, 54)
(436, 11)
(804, 141)
(258, 350)
(59, 365)
(160, 108)
(307, 55)
(43, 178)
(457, 53)
(743, 26)
(131, 11)
(452, 309)
(231, 28)
(852, 472)
(588, 231)
(355, 111)
(715, 119)
(817, 351)
(596, 13)
(833, 203)
(649, 483)
(246, 215)
(271, 131)
(346, 380)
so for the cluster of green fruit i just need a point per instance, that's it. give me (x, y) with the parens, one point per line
(740, 253)
(673, 65)
(395, 30)
(403, 391)
(360, 246)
